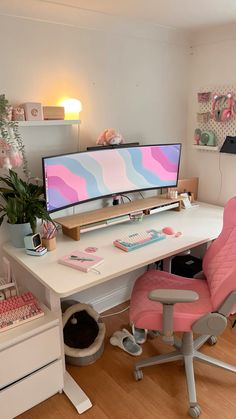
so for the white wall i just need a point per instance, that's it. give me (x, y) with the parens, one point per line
(213, 64)
(130, 77)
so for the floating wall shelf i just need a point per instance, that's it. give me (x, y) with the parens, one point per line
(205, 147)
(48, 123)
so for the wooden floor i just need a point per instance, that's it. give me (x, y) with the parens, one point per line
(115, 394)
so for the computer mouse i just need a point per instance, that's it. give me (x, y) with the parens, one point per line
(168, 230)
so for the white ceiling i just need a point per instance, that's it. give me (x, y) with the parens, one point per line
(181, 14)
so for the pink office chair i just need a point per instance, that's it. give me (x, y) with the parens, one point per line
(165, 302)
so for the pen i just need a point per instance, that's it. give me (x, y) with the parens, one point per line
(74, 257)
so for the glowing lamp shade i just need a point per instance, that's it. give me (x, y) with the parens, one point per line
(72, 108)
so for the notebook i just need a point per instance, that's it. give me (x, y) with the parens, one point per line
(81, 260)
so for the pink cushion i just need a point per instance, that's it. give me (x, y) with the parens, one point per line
(147, 314)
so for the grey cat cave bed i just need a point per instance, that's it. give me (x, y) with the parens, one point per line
(84, 333)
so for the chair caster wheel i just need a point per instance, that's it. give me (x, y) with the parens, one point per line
(138, 375)
(194, 411)
(212, 340)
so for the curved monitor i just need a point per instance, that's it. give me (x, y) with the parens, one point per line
(71, 179)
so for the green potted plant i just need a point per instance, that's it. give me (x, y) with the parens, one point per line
(10, 140)
(22, 203)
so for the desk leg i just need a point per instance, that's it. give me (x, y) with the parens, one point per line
(167, 264)
(76, 395)
(73, 391)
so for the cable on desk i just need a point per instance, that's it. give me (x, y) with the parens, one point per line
(127, 197)
(117, 312)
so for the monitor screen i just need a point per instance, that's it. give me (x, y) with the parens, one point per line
(75, 178)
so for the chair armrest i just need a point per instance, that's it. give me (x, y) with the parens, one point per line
(168, 297)
(171, 296)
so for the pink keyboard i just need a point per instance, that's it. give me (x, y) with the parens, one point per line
(18, 310)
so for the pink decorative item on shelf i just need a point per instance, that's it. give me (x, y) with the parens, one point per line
(33, 111)
(18, 114)
(197, 136)
(110, 136)
(203, 97)
(9, 156)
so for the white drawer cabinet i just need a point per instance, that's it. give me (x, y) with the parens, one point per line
(29, 355)
(31, 367)
(31, 390)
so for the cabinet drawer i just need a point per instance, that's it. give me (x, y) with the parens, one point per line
(31, 390)
(29, 355)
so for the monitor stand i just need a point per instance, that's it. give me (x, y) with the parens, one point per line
(74, 225)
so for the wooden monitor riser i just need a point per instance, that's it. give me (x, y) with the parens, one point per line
(72, 224)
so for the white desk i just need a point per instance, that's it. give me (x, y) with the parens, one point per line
(198, 225)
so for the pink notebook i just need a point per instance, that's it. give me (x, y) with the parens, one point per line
(81, 260)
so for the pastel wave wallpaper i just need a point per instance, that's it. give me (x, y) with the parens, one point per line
(79, 177)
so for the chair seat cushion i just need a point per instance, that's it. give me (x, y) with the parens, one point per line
(147, 314)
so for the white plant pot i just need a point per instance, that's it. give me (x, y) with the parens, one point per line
(18, 232)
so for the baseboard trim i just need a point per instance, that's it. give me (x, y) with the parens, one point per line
(110, 294)
(112, 299)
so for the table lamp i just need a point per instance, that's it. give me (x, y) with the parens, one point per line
(72, 108)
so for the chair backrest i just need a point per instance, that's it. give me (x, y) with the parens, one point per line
(219, 262)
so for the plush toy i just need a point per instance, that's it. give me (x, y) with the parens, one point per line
(110, 136)
(9, 156)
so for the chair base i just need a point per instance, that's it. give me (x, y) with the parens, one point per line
(187, 351)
